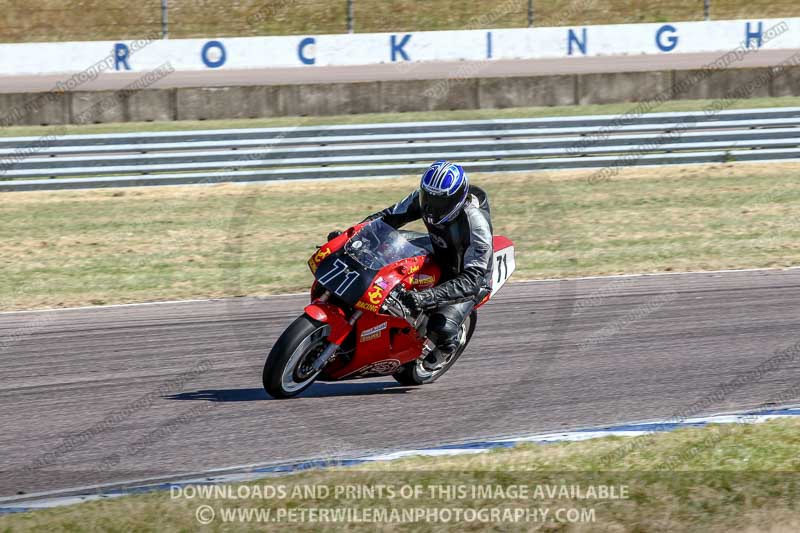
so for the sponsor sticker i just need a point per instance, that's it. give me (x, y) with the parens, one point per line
(423, 279)
(317, 258)
(376, 295)
(364, 306)
(373, 333)
(387, 366)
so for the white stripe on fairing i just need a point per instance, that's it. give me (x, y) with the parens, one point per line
(626, 430)
(545, 280)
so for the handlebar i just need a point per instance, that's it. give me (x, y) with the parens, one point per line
(394, 306)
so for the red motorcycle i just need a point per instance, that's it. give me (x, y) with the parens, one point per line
(356, 326)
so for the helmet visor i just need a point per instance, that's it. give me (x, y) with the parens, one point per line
(438, 209)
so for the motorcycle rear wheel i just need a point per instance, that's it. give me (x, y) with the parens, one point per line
(413, 373)
(287, 370)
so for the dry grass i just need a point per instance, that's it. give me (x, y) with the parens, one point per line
(48, 20)
(746, 481)
(72, 248)
(375, 118)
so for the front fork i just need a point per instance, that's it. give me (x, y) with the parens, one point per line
(341, 327)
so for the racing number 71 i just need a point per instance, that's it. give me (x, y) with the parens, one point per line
(502, 262)
(339, 268)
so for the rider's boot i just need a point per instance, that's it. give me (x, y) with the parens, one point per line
(446, 334)
(437, 357)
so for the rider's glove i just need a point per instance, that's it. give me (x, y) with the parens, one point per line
(418, 300)
(332, 235)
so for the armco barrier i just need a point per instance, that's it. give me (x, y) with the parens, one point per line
(185, 157)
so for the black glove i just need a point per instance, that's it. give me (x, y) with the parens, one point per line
(418, 300)
(332, 235)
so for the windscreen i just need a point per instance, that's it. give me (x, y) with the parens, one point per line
(378, 245)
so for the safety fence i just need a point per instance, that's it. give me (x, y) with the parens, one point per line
(606, 143)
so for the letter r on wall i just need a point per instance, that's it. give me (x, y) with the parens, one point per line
(121, 55)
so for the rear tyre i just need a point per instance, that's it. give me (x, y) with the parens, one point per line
(287, 370)
(413, 373)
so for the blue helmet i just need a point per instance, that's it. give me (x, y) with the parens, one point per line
(443, 192)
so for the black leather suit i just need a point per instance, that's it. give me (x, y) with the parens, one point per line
(463, 248)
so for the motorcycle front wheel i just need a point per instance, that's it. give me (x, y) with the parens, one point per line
(287, 370)
(414, 373)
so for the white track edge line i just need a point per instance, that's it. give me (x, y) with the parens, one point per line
(521, 438)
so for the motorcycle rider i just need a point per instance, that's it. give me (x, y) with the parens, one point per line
(456, 215)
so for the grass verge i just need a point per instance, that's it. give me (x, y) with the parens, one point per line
(732, 477)
(377, 118)
(48, 20)
(69, 248)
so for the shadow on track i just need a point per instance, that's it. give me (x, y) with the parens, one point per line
(318, 390)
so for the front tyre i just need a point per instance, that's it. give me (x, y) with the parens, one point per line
(414, 373)
(287, 370)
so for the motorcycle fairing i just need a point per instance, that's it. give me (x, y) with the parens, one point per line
(378, 339)
(333, 316)
(381, 342)
(376, 334)
(334, 245)
(344, 277)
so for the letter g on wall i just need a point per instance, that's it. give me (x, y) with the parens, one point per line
(671, 40)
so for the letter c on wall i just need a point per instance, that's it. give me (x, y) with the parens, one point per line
(301, 51)
(671, 41)
(217, 62)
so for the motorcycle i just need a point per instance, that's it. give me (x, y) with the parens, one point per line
(356, 325)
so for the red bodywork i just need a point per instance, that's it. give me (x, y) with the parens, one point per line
(383, 342)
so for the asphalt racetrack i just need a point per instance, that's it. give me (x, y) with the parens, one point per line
(113, 394)
(432, 70)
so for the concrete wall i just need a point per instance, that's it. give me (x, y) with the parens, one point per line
(78, 62)
(392, 96)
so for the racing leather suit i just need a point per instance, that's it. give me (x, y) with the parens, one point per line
(463, 249)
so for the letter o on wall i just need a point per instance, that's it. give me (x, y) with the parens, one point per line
(214, 54)
(671, 41)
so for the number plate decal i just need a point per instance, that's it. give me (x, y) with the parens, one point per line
(504, 266)
(339, 270)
